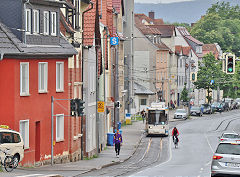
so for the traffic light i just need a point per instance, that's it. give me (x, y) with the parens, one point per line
(80, 106)
(118, 105)
(72, 107)
(230, 64)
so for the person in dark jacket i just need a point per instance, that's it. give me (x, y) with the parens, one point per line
(117, 140)
(175, 133)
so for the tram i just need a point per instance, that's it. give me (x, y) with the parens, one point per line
(157, 119)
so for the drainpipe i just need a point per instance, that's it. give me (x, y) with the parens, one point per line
(1, 56)
(82, 73)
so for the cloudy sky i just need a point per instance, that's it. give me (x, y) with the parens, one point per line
(159, 1)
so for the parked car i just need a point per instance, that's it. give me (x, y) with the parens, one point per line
(229, 137)
(12, 140)
(207, 109)
(180, 114)
(214, 106)
(196, 111)
(217, 106)
(226, 159)
(237, 100)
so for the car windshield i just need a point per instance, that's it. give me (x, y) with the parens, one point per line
(228, 148)
(180, 111)
(238, 100)
(230, 136)
(195, 108)
(205, 105)
(215, 104)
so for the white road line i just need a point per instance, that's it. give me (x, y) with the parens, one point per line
(208, 163)
(30, 175)
(209, 143)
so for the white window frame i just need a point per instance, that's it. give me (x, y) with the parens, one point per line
(59, 127)
(24, 92)
(45, 77)
(28, 23)
(46, 22)
(60, 77)
(35, 21)
(25, 133)
(53, 23)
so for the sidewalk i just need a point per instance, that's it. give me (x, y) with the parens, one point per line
(131, 136)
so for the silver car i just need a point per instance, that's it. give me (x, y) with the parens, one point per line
(180, 114)
(226, 159)
(229, 137)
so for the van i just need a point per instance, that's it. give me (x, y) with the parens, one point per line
(12, 140)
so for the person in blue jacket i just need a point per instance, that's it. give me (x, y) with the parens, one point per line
(117, 140)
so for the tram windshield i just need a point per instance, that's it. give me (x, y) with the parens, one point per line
(157, 117)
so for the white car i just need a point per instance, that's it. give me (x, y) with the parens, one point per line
(229, 137)
(12, 140)
(180, 114)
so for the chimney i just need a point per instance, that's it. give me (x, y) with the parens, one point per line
(151, 15)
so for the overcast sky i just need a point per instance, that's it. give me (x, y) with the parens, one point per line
(159, 1)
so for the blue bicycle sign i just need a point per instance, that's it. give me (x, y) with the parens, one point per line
(114, 40)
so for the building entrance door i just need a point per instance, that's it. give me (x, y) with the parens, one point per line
(37, 142)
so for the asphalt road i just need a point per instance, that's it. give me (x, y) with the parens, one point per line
(198, 141)
(156, 156)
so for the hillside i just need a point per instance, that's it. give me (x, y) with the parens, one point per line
(188, 12)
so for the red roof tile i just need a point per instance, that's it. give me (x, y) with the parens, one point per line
(186, 51)
(166, 30)
(149, 20)
(178, 49)
(194, 40)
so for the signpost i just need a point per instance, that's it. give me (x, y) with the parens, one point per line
(100, 106)
(114, 40)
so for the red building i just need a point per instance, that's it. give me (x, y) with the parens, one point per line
(34, 67)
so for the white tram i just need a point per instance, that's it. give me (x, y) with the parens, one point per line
(157, 119)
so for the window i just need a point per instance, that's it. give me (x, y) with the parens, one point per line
(180, 62)
(8, 137)
(42, 77)
(60, 127)
(46, 22)
(143, 102)
(24, 130)
(28, 20)
(24, 79)
(60, 76)
(35, 21)
(53, 23)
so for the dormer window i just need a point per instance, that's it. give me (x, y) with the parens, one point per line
(28, 20)
(53, 23)
(35, 21)
(46, 20)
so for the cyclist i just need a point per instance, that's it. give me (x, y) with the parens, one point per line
(175, 133)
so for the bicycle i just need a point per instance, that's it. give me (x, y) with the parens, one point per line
(175, 141)
(9, 164)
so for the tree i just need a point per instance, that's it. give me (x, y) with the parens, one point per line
(209, 75)
(184, 94)
(220, 25)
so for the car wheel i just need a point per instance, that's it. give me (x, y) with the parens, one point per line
(15, 161)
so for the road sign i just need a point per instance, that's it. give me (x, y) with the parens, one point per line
(114, 40)
(100, 106)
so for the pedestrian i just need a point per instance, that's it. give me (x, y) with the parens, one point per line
(117, 140)
(143, 115)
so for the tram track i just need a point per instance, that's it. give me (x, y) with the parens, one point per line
(147, 153)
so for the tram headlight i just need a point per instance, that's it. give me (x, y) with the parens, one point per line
(150, 127)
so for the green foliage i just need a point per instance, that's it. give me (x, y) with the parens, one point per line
(209, 69)
(184, 94)
(220, 25)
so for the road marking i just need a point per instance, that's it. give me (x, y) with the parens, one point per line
(208, 163)
(209, 143)
(30, 175)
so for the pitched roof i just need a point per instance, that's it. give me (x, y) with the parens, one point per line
(194, 40)
(11, 45)
(178, 49)
(163, 46)
(117, 5)
(148, 19)
(209, 47)
(66, 25)
(145, 29)
(141, 90)
(186, 50)
(166, 30)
